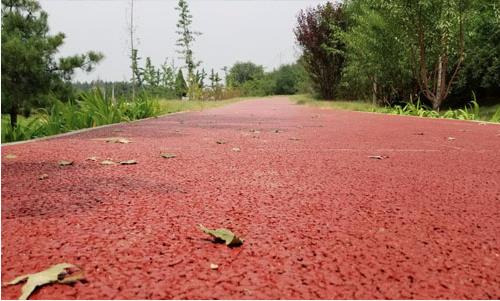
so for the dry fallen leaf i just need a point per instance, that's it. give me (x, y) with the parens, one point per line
(92, 159)
(223, 235)
(113, 140)
(108, 162)
(65, 163)
(43, 176)
(378, 157)
(168, 155)
(10, 156)
(128, 162)
(221, 142)
(61, 273)
(451, 138)
(236, 149)
(294, 138)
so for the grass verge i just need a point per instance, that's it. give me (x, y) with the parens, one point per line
(469, 112)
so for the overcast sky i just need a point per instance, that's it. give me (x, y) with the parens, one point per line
(233, 30)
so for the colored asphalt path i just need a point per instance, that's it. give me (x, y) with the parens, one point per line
(320, 218)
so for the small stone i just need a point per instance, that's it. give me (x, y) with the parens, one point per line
(214, 266)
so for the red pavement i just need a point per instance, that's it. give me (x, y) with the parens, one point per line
(319, 217)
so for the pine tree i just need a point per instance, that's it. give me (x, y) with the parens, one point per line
(180, 85)
(29, 67)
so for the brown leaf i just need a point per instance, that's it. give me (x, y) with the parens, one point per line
(43, 176)
(128, 162)
(108, 162)
(60, 273)
(378, 157)
(168, 155)
(221, 142)
(114, 140)
(10, 156)
(65, 163)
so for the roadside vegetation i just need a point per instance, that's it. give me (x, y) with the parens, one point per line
(472, 111)
(92, 109)
(427, 57)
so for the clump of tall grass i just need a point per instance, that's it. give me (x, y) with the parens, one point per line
(91, 109)
(469, 112)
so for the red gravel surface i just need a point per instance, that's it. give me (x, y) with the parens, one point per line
(319, 217)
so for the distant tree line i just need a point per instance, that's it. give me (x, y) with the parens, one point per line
(391, 50)
(251, 80)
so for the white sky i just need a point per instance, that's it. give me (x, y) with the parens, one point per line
(233, 30)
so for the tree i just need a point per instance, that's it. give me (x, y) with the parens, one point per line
(435, 31)
(288, 79)
(151, 77)
(481, 70)
(242, 72)
(133, 52)
(319, 34)
(377, 55)
(137, 72)
(29, 68)
(186, 37)
(180, 85)
(168, 76)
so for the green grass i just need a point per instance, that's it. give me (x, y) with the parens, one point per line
(338, 104)
(491, 113)
(471, 111)
(168, 106)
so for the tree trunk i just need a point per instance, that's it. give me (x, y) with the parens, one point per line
(13, 115)
(374, 92)
(440, 85)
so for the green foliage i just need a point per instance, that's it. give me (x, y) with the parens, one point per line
(242, 72)
(496, 116)
(378, 65)
(29, 67)
(471, 111)
(398, 48)
(251, 80)
(180, 85)
(290, 79)
(482, 62)
(90, 110)
(186, 37)
(142, 107)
